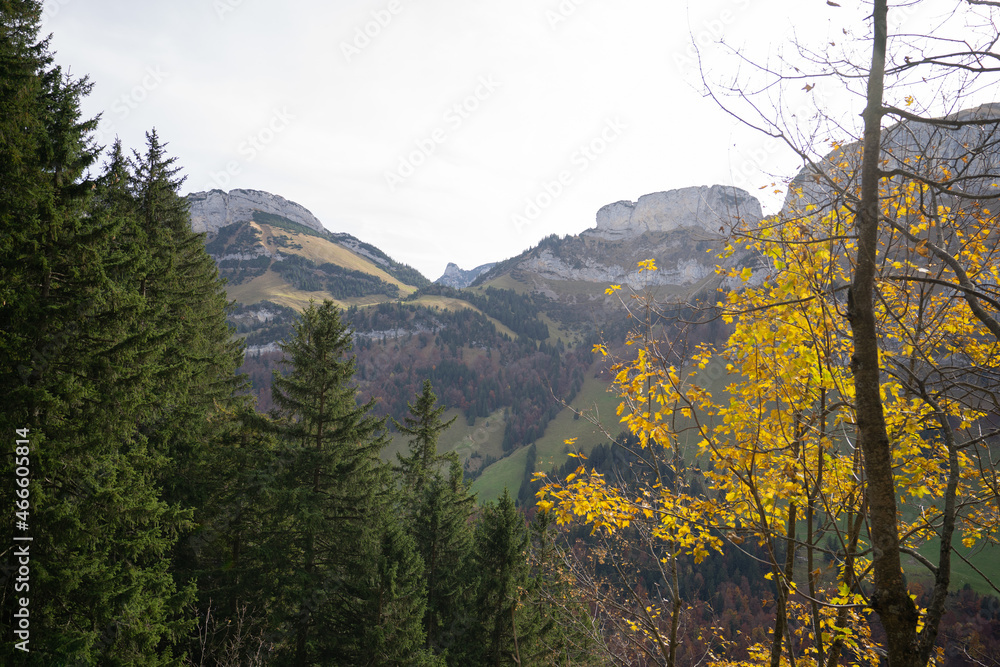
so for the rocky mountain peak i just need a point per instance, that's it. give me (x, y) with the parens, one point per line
(215, 209)
(682, 230)
(456, 277)
(923, 147)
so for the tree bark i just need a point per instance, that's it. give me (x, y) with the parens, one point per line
(890, 599)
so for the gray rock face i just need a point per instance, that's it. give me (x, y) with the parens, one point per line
(713, 208)
(922, 148)
(682, 230)
(215, 209)
(673, 271)
(454, 276)
(616, 216)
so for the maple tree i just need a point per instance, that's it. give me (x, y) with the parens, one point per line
(919, 296)
(777, 447)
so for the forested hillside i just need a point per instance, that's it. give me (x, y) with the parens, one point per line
(161, 518)
(475, 368)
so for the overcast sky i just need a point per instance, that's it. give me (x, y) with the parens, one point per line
(438, 131)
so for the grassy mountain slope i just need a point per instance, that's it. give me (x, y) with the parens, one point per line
(595, 399)
(270, 286)
(277, 260)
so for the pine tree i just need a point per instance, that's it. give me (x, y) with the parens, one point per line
(193, 361)
(440, 526)
(333, 500)
(556, 625)
(425, 427)
(501, 563)
(437, 509)
(75, 370)
(199, 354)
(43, 152)
(232, 551)
(393, 602)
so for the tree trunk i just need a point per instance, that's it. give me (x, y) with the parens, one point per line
(890, 598)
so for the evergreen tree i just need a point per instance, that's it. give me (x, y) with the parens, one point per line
(425, 427)
(501, 563)
(393, 603)
(557, 627)
(231, 549)
(333, 502)
(193, 361)
(437, 509)
(200, 355)
(76, 368)
(440, 526)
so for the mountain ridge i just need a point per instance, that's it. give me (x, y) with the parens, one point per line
(214, 209)
(679, 229)
(273, 249)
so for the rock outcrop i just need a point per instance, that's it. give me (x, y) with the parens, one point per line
(681, 230)
(672, 268)
(458, 278)
(714, 209)
(928, 149)
(215, 209)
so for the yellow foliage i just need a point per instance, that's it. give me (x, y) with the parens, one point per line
(778, 439)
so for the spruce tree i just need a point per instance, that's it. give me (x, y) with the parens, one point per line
(390, 618)
(76, 370)
(501, 562)
(424, 425)
(333, 501)
(437, 509)
(199, 354)
(556, 625)
(234, 546)
(440, 525)
(193, 361)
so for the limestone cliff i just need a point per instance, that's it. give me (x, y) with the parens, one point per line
(965, 150)
(681, 230)
(712, 209)
(215, 209)
(456, 277)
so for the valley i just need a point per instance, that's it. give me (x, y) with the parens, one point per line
(540, 313)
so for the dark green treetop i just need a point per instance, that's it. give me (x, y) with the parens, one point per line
(424, 427)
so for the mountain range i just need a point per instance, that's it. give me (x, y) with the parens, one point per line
(454, 276)
(506, 344)
(273, 249)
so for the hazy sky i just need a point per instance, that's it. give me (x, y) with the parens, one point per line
(438, 131)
